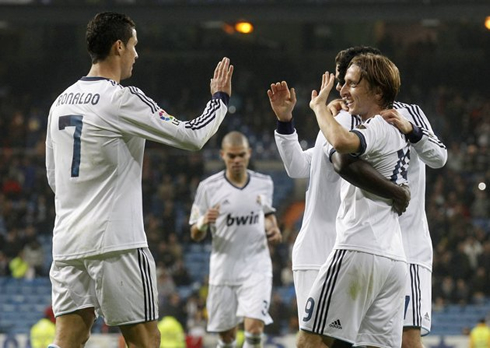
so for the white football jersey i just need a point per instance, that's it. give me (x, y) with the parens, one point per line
(316, 237)
(94, 152)
(239, 243)
(366, 222)
(428, 149)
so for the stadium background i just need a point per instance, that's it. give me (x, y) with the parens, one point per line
(441, 48)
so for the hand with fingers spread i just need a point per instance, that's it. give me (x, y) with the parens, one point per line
(282, 100)
(221, 81)
(319, 99)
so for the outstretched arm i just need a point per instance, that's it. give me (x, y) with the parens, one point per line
(361, 174)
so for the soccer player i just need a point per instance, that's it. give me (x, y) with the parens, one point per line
(426, 149)
(316, 237)
(235, 207)
(94, 152)
(358, 294)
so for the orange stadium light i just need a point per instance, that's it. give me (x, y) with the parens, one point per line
(487, 22)
(244, 27)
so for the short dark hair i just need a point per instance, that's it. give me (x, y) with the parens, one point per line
(104, 30)
(343, 58)
(380, 73)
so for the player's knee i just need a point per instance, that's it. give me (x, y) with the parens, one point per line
(227, 336)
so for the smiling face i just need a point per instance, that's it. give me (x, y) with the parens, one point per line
(358, 95)
(129, 56)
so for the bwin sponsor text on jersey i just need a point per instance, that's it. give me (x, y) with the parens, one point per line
(251, 219)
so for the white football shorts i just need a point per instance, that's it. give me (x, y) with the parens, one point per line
(121, 286)
(418, 299)
(356, 298)
(228, 305)
(303, 282)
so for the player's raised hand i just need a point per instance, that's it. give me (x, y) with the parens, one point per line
(221, 81)
(282, 100)
(319, 99)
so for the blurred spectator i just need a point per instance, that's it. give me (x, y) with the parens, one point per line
(165, 284)
(43, 332)
(174, 307)
(19, 268)
(480, 335)
(172, 333)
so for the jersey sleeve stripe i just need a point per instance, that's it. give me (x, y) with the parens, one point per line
(151, 104)
(208, 115)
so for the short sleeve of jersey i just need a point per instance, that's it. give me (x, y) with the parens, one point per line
(200, 205)
(376, 135)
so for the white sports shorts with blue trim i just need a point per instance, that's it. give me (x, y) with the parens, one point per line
(121, 286)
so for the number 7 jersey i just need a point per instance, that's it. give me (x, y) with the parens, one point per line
(94, 154)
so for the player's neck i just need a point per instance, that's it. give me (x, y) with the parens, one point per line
(104, 70)
(236, 179)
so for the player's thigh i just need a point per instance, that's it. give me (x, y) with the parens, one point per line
(418, 299)
(254, 297)
(303, 281)
(306, 339)
(126, 286)
(254, 326)
(73, 329)
(144, 335)
(221, 305)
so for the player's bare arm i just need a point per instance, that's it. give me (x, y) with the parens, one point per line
(282, 100)
(361, 174)
(200, 228)
(272, 230)
(221, 81)
(341, 139)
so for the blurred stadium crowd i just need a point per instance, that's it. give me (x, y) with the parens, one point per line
(457, 198)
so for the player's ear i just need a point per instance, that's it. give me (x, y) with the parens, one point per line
(118, 47)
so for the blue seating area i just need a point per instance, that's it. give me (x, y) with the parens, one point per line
(22, 303)
(455, 319)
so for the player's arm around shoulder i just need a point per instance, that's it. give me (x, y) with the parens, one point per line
(419, 133)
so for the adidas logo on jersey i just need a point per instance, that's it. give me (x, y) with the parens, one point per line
(427, 316)
(336, 324)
